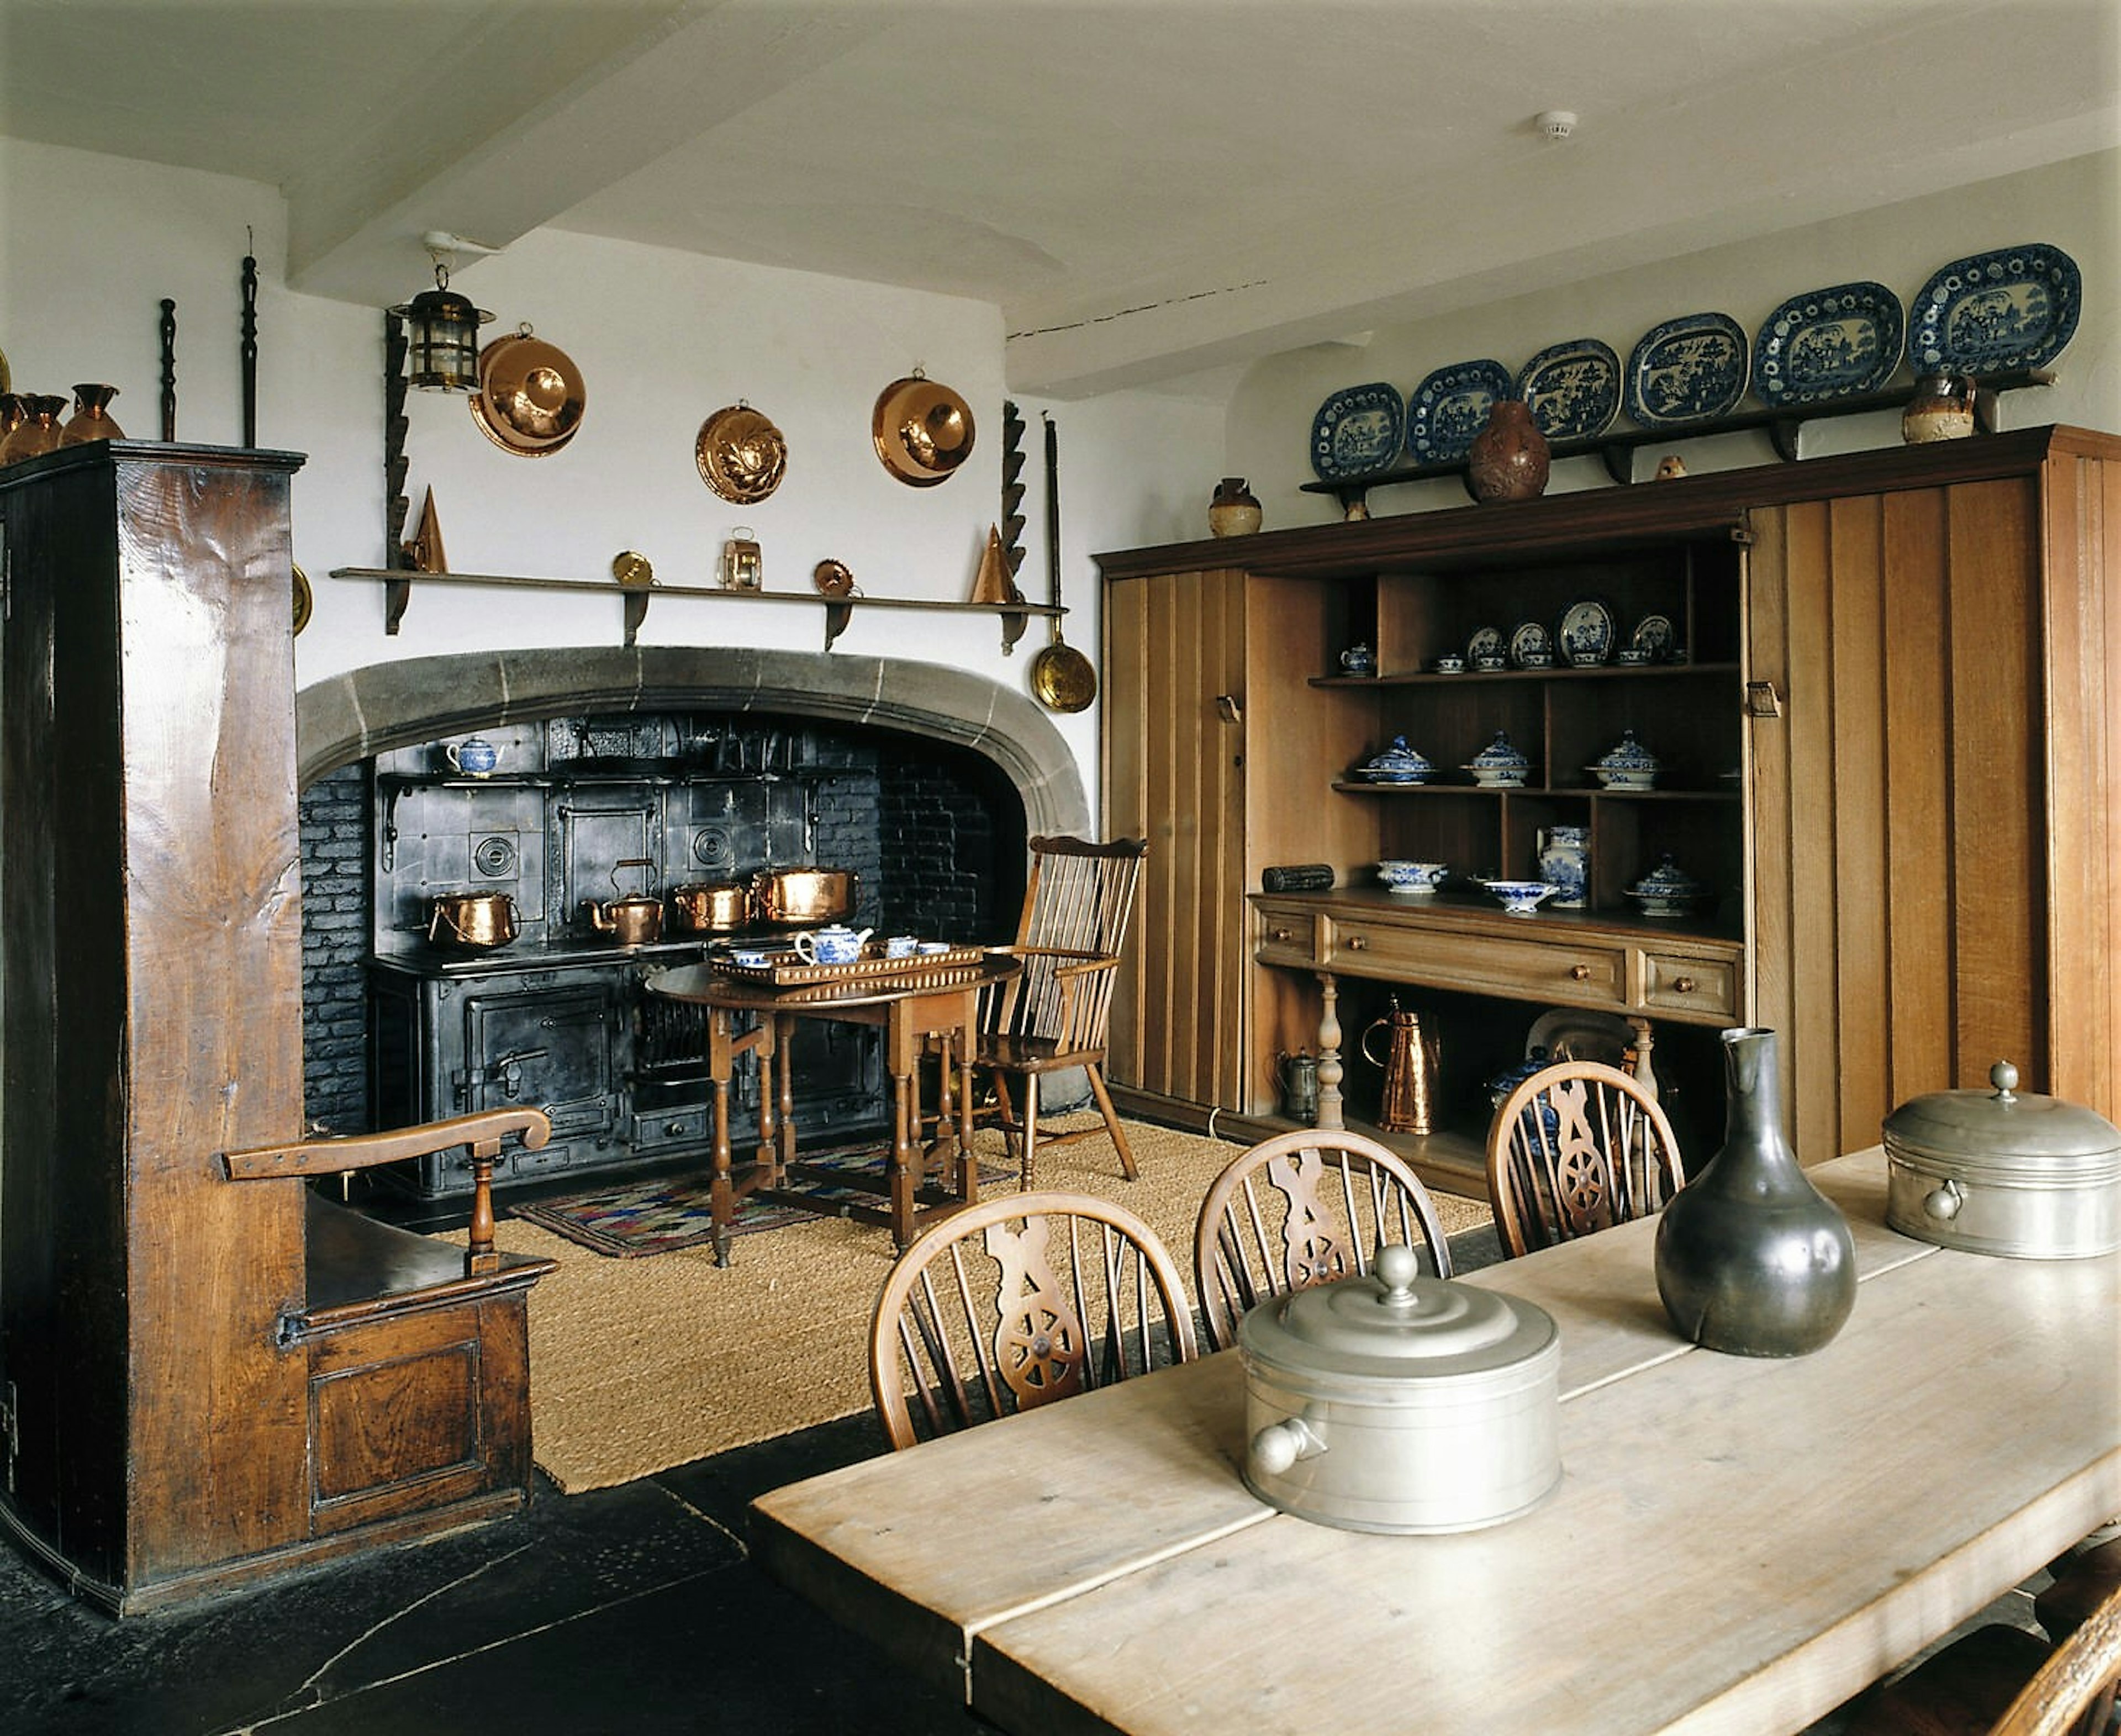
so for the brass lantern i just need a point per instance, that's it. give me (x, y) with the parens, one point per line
(441, 329)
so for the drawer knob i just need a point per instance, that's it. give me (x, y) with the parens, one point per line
(671, 1130)
(1682, 985)
(1282, 934)
(1356, 943)
(1580, 972)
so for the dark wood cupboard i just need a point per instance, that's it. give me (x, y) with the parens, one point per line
(1889, 755)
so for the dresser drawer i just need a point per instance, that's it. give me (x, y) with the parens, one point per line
(1286, 937)
(1678, 982)
(1588, 973)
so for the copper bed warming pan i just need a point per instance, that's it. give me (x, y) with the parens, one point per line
(712, 907)
(804, 895)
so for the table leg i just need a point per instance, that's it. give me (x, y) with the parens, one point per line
(784, 1045)
(1331, 1114)
(900, 1059)
(968, 1161)
(721, 1193)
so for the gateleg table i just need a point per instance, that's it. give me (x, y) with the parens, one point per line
(914, 1008)
(1737, 1546)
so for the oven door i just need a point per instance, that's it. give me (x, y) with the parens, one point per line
(550, 1048)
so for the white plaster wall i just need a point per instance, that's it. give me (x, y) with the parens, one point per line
(2075, 205)
(663, 339)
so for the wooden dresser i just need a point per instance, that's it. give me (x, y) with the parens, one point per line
(1889, 756)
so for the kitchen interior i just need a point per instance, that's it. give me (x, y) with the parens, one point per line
(710, 800)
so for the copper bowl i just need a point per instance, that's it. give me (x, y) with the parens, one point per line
(530, 395)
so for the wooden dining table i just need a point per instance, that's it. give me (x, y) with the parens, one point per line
(1737, 1545)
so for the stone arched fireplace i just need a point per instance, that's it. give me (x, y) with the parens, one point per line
(981, 737)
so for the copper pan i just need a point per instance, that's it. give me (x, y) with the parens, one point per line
(712, 907)
(804, 895)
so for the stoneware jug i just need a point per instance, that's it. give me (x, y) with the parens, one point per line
(1509, 458)
(1751, 1257)
(1233, 511)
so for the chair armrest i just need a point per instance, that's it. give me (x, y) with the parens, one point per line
(1070, 969)
(483, 1133)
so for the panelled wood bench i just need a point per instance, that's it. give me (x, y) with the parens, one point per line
(418, 1354)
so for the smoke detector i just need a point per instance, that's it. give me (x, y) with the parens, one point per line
(1555, 124)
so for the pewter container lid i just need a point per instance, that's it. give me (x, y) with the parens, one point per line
(2008, 1133)
(1396, 1325)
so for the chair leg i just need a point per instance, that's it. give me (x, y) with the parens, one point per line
(1030, 1128)
(1096, 1075)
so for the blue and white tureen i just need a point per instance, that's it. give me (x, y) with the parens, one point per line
(1667, 890)
(1498, 766)
(1628, 766)
(1397, 764)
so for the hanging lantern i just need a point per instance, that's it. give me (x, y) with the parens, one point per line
(441, 332)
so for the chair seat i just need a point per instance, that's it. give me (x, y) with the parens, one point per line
(1032, 1054)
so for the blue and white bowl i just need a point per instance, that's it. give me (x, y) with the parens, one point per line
(1499, 766)
(1397, 764)
(1520, 898)
(1629, 765)
(1412, 879)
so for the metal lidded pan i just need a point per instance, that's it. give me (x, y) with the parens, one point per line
(1062, 679)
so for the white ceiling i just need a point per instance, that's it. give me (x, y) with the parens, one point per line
(1147, 189)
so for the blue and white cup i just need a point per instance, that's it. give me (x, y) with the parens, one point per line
(901, 946)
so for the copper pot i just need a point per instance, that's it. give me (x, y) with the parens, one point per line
(804, 895)
(713, 906)
(633, 921)
(474, 919)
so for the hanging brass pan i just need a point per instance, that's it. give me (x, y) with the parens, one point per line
(1061, 677)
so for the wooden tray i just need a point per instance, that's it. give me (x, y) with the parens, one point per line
(789, 971)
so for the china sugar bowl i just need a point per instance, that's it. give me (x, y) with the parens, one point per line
(1627, 765)
(1390, 1401)
(1667, 890)
(1412, 879)
(1521, 898)
(1498, 766)
(2004, 1172)
(1397, 764)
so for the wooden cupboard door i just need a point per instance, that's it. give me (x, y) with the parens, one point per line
(1174, 773)
(1902, 838)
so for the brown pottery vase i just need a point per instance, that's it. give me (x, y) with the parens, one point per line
(1507, 460)
(39, 430)
(1233, 511)
(90, 419)
(1941, 408)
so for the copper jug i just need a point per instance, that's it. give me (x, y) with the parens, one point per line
(1409, 1062)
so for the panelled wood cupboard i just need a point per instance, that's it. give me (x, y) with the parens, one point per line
(1888, 755)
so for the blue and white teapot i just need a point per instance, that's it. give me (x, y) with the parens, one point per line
(837, 944)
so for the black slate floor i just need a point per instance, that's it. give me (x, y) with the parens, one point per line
(628, 1611)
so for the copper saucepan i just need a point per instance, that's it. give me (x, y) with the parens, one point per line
(475, 919)
(805, 894)
(712, 907)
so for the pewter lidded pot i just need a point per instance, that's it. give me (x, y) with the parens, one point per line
(1751, 1257)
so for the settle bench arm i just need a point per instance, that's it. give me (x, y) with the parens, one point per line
(483, 1133)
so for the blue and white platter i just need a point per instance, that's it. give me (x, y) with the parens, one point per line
(1357, 431)
(2014, 308)
(1450, 407)
(1574, 389)
(1687, 369)
(1837, 342)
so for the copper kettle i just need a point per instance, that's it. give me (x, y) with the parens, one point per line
(1409, 1062)
(634, 919)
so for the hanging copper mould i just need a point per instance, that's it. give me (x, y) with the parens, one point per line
(741, 455)
(530, 396)
(923, 430)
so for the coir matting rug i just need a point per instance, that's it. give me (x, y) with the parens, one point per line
(639, 1365)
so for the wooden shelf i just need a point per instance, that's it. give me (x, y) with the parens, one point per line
(839, 611)
(1616, 451)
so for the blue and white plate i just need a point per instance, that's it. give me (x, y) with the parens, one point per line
(1586, 634)
(1837, 342)
(1690, 369)
(2014, 308)
(1450, 407)
(1356, 431)
(1574, 389)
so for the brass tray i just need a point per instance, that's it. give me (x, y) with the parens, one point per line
(791, 972)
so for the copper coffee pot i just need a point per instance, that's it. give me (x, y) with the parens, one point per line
(1409, 1062)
